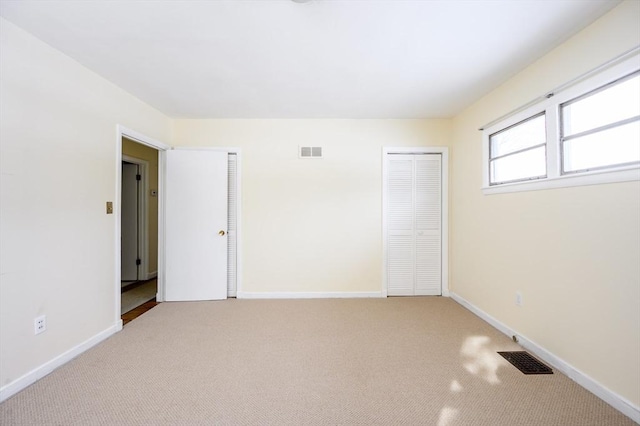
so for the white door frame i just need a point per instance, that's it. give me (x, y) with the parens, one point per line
(143, 225)
(121, 132)
(444, 151)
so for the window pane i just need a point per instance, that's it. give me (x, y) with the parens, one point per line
(521, 166)
(619, 145)
(610, 105)
(523, 135)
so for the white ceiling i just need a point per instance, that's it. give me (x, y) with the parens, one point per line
(322, 59)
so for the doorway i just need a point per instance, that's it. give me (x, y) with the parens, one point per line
(233, 225)
(139, 225)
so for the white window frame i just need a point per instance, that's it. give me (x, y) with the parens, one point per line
(551, 107)
(519, 151)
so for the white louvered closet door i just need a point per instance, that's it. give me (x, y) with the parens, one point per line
(414, 222)
(428, 221)
(400, 239)
(232, 226)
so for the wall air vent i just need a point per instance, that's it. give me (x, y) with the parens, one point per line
(310, 152)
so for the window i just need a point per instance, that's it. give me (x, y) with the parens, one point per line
(586, 133)
(519, 152)
(602, 128)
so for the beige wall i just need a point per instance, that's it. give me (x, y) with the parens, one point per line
(311, 225)
(58, 149)
(150, 155)
(573, 252)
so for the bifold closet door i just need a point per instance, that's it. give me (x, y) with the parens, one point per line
(232, 227)
(414, 224)
(428, 224)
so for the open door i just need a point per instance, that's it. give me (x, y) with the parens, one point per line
(196, 225)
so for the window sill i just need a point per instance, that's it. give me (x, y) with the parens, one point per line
(626, 174)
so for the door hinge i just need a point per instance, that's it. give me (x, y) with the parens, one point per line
(138, 261)
(138, 177)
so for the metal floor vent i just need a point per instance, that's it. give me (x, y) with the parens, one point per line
(526, 363)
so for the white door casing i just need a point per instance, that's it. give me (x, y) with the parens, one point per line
(196, 225)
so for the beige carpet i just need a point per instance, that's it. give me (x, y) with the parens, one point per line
(412, 361)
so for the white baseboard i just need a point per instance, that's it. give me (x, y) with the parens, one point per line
(151, 275)
(621, 404)
(38, 373)
(308, 295)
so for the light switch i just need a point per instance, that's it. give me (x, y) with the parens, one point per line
(109, 207)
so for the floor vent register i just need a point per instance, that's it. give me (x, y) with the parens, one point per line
(526, 363)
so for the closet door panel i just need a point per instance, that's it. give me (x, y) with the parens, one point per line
(232, 226)
(400, 238)
(401, 189)
(428, 264)
(428, 213)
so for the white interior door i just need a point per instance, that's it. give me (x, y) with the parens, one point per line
(129, 223)
(196, 225)
(414, 224)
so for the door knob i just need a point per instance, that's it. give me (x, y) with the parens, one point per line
(221, 233)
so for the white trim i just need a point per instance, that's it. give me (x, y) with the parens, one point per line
(621, 404)
(151, 275)
(162, 172)
(444, 151)
(309, 295)
(143, 211)
(625, 174)
(141, 138)
(38, 373)
(117, 237)
(207, 148)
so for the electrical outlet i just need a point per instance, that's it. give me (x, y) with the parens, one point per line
(40, 324)
(518, 298)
